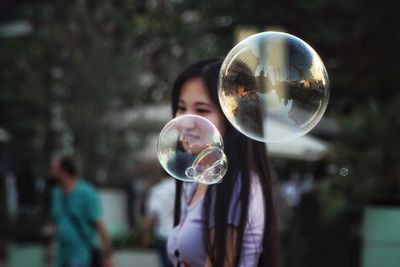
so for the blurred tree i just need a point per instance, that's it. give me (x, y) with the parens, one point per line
(23, 99)
(86, 59)
(367, 158)
(113, 55)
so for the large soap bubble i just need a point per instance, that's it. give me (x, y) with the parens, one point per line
(190, 148)
(273, 87)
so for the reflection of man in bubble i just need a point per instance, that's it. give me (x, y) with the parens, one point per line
(242, 85)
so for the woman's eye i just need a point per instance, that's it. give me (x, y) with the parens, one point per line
(202, 111)
(181, 108)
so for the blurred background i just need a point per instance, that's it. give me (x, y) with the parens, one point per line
(92, 79)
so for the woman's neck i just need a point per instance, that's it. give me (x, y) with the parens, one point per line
(200, 191)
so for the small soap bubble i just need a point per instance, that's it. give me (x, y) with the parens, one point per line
(184, 146)
(209, 167)
(344, 171)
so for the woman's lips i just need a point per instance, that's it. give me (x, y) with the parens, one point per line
(190, 138)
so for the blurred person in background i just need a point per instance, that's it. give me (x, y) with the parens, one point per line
(49, 183)
(76, 215)
(159, 217)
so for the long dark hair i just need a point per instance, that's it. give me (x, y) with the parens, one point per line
(219, 195)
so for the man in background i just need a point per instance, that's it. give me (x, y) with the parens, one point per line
(158, 221)
(76, 215)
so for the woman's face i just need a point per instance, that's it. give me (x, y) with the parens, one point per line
(195, 100)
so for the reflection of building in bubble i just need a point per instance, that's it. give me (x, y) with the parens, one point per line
(295, 100)
(308, 96)
(294, 92)
(274, 79)
(240, 79)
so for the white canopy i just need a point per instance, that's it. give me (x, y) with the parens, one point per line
(306, 148)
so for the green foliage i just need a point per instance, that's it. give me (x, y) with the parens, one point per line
(85, 61)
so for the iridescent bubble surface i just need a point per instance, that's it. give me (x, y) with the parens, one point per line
(186, 144)
(209, 167)
(273, 87)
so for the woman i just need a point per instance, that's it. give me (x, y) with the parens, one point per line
(231, 223)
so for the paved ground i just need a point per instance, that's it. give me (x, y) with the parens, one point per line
(138, 258)
(31, 255)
